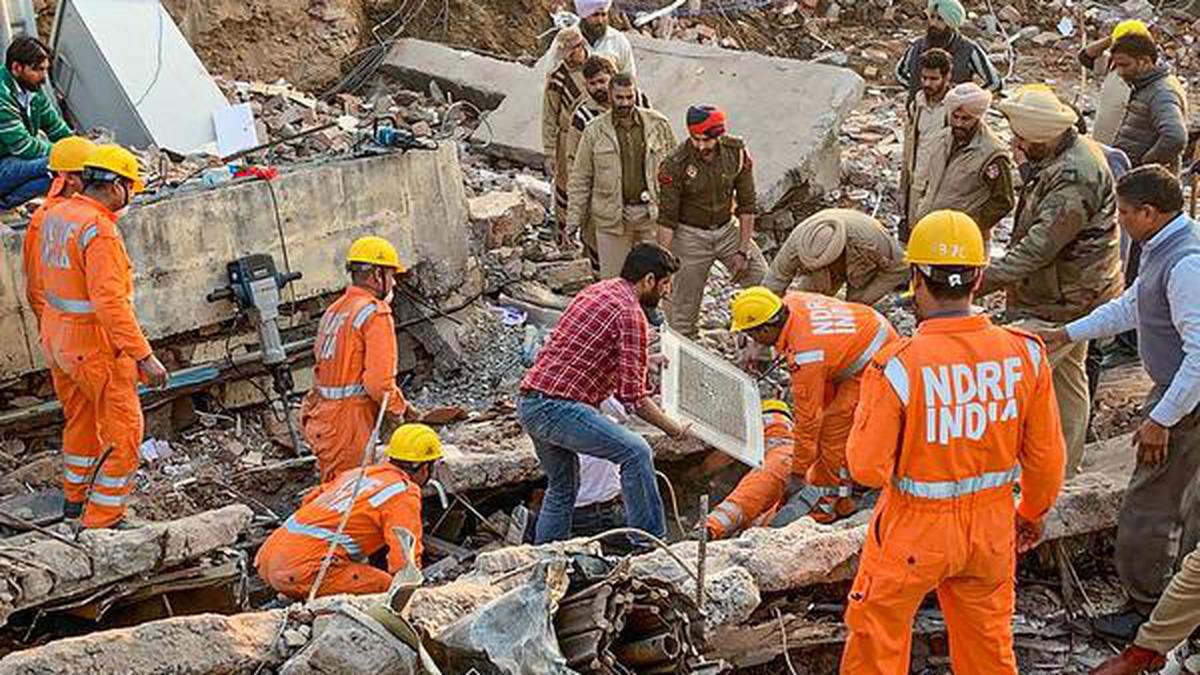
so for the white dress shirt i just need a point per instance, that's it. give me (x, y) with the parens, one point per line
(1183, 294)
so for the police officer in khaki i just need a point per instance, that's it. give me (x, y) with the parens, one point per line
(612, 185)
(840, 248)
(1063, 260)
(707, 206)
(969, 168)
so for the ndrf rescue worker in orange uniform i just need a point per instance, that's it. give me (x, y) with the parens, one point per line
(385, 512)
(66, 161)
(760, 493)
(356, 362)
(826, 344)
(949, 420)
(91, 339)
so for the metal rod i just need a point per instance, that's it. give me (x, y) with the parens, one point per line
(702, 553)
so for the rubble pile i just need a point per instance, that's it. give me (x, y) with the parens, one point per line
(46, 568)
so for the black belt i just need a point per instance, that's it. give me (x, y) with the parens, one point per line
(600, 506)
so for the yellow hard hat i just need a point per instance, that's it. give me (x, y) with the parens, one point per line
(415, 443)
(946, 238)
(754, 306)
(69, 154)
(374, 251)
(118, 161)
(775, 405)
(1130, 27)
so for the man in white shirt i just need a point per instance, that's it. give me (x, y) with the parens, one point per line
(602, 38)
(1157, 521)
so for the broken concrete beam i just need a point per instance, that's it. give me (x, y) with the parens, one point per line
(796, 149)
(193, 645)
(181, 243)
(37, 570)
(464, 75)
(485, 457)
(501, 217)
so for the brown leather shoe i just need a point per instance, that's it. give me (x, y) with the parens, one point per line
(1133, 661)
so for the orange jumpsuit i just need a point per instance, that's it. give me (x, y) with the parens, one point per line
(827, 343)
(760, 493)
(356, 366)
(92, 343)
(950, 419)
(386, 512)
(31, 249)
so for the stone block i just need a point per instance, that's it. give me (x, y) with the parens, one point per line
(346, 644)
(501, 217)
(565, 276)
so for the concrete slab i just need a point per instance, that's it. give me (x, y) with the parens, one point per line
(789, 111)
(180, 245)
(464, 75)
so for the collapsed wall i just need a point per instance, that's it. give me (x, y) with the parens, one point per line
(181, 242)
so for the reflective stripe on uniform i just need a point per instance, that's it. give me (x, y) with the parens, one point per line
(811, 356)
(86, 238)
(72, 477)
(772, 443)
(728, 515)
(78, 460)
(112, 482)
(69, 306)
(897, 376)
(343, 540)
(1035, 354)
(338, 393)
(951, 489)
(106, 500)
(380, 498)
(363, 314)
(877, 342)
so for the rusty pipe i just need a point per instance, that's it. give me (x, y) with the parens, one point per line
(652, 650)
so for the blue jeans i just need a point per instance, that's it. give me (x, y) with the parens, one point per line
(22, 180)
(561, 429)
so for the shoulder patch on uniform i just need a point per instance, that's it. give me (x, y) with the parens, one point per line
(664, 178)
(992, 172)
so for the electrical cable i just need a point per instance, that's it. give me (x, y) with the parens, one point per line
(674, 504)
(158, 61)
(362, 469)
(287, 263)
(787, 658)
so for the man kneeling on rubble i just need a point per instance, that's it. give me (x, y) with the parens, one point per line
(826, 343)
(385, 510)
(760, 493)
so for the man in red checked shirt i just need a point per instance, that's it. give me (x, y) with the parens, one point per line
(599, 349)
(706, 209)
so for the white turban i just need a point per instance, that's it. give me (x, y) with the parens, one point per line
(586, 8)
(1037, 115)
(972, 98)
(822, 239)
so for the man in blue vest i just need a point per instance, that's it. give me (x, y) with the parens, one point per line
(1157, 522)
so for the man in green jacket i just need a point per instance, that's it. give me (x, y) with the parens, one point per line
(29, 123)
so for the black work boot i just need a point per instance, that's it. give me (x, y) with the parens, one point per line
(1122, 627)
(72, 510)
